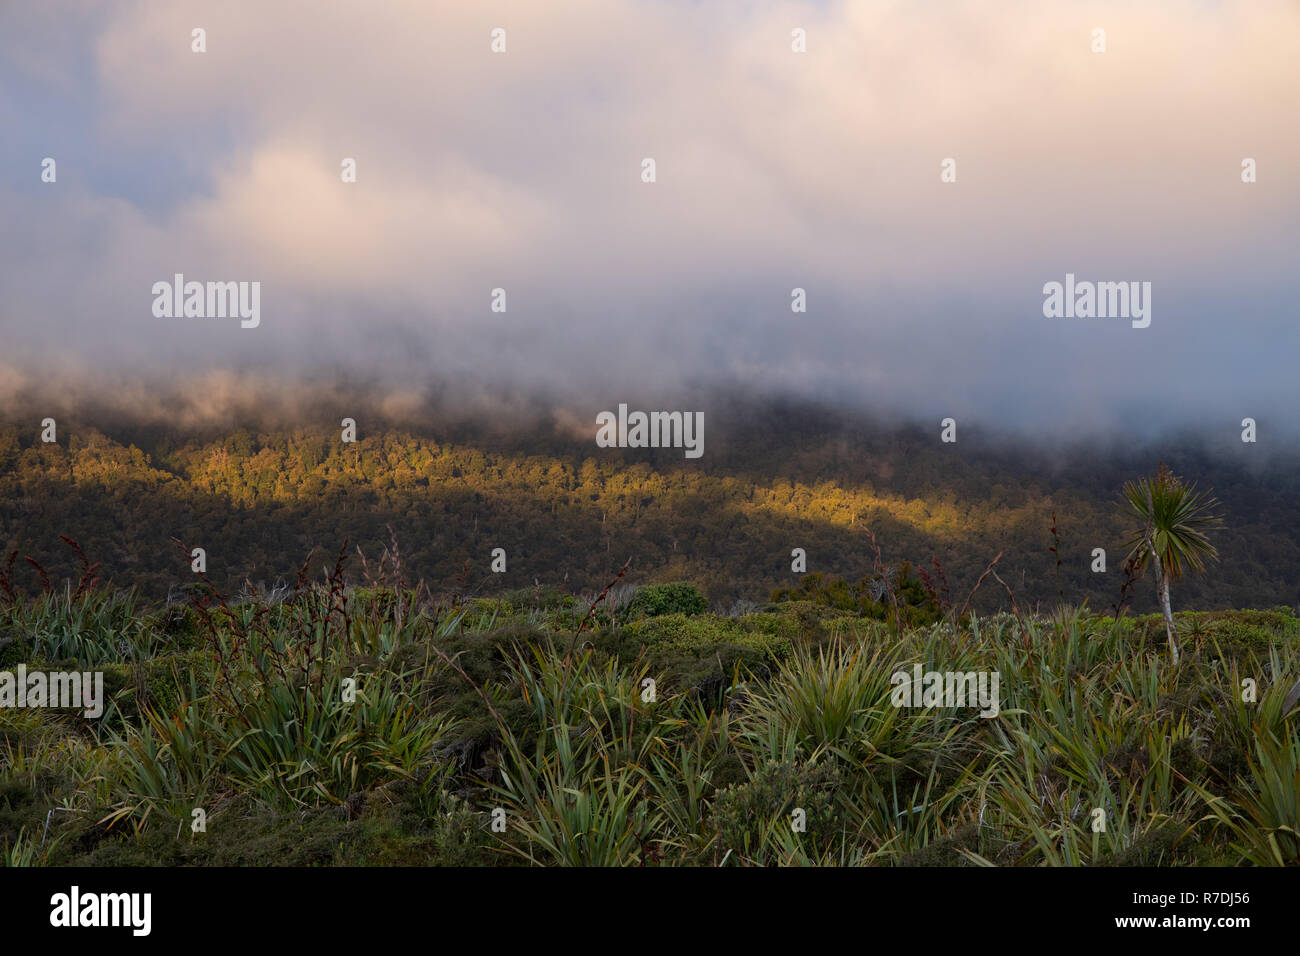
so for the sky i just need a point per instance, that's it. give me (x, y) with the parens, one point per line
(774, 170)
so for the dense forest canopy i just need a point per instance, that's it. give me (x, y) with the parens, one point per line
(776, 476)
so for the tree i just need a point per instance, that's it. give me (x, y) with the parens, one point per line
(1173, 520)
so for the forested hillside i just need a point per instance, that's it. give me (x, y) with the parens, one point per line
(774, 478)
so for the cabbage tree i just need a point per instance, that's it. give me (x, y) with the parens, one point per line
(1173, 519)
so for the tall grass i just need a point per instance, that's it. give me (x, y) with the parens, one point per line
(324, 696)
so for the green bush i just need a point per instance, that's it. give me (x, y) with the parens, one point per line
(168, 679)
(680, 632)
(14, 649)
(749, 816)
(678, 597)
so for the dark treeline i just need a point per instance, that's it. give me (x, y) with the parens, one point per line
(774, 476)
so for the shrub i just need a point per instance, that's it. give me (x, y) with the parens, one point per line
(749, 818)
(679, 597)
(680, 632)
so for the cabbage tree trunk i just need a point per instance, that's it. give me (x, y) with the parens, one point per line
(1162, 592)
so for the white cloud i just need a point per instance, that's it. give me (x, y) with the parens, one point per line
(775, 170)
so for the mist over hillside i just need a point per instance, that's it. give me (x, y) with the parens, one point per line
(799, 237)
(457, 247)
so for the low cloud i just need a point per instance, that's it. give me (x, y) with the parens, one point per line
(775, 170)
